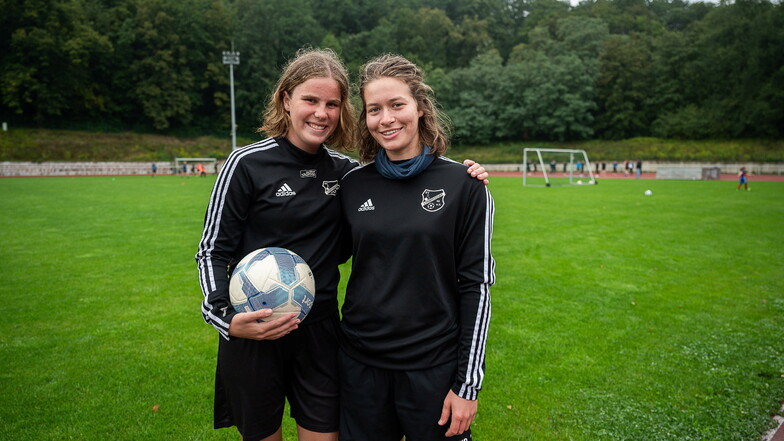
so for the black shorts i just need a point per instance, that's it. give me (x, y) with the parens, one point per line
(379, 404)
(254, 378)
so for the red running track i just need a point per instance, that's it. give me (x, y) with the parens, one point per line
(606, 175)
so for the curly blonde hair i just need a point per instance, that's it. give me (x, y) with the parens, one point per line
(434, 126)
(311, 63)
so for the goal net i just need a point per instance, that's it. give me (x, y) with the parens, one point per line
(556, 168)
(185, 166)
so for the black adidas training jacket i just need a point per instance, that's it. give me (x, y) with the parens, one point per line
(273, 194)
(419, 291)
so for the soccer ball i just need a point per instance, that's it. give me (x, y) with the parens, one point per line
(648, 192)
(273, 278)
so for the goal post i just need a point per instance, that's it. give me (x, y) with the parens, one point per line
(190, 163)
(556, 167)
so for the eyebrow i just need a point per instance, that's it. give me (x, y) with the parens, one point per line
(305, 96)
(395, 98)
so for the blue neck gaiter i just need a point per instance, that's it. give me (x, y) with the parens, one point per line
(405, 169)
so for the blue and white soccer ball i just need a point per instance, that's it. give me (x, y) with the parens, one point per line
(273, 278)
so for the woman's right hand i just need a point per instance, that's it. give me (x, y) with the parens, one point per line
(248, 325)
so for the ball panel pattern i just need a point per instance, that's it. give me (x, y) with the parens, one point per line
(273, 278)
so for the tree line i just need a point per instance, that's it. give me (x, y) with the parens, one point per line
(502, 69)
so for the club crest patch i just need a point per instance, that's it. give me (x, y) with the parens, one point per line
(307, 173)
(330, 187)
(433, 200)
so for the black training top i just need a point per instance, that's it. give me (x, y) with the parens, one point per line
(419, 291)
(273, 194)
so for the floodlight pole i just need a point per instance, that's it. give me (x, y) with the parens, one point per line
(231, 58)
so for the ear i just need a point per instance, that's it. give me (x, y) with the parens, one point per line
(286, 101)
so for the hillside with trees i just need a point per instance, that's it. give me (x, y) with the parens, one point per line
(503, 70)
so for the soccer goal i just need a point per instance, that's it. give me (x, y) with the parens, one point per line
(191, 165)
(556, 168)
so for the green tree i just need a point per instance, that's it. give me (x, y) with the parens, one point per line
(470, 39)
(209, 33)
(504, 69)
(331, 41)
(424, 35)
(742, 56)
(46, 66)
(154, 53)
(730, 77)
(500, 19)
(561, 67)
(558, 96)
(469, 96)
(268, 34)
(625, 88)
(546, 91)
(350, 17)
(360, 47)
(542, 14)
(678, 15)
(625, 16)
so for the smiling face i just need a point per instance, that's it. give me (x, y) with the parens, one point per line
(314, 109)
(392, 117)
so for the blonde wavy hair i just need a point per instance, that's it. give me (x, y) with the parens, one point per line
(434, 126)
(311, 63)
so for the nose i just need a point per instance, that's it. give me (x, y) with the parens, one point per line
(387, 117)
(321, 112)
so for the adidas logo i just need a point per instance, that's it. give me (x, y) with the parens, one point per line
(285, 190)
(367, 206)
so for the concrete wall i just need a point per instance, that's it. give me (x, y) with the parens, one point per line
(143, 168)
(88, 168)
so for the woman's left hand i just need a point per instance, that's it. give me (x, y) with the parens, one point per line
(460, 411)
(476, 170)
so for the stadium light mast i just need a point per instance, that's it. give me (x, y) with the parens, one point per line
(231, 58)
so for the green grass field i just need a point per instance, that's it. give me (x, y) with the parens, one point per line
(615, 316)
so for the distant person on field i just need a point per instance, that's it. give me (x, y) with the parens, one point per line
(200, 169)
(615, 166)
(743, 180)
(154, 169)
(639, 169)
(552, 166)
